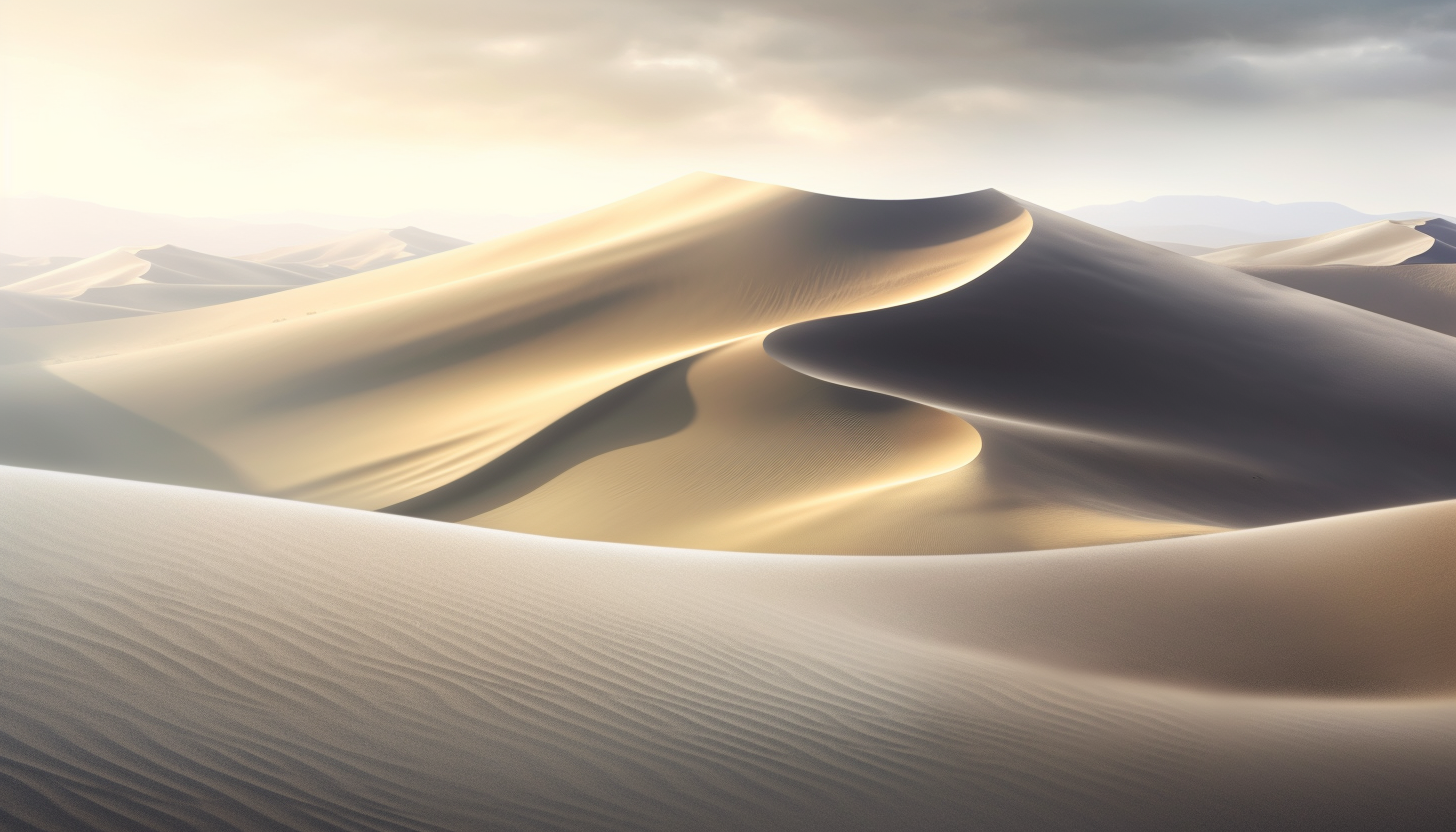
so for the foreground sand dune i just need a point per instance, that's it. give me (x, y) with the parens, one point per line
(180, 659)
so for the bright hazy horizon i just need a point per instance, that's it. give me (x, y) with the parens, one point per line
(379, 108)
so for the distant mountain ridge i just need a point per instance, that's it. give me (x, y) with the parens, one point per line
(1220, 221)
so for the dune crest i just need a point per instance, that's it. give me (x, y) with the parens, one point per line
(374, 388)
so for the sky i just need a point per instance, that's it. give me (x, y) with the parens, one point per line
(378, 107)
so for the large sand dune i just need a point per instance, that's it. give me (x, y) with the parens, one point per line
(656, 432)
(180, 659)
(1118, 374)
(375, 388)
(601, 378)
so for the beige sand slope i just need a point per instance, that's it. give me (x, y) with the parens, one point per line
(361, 251)
(1114, 375)
(600, 378)
(1380, 243)
(179, 659)
(775, 461)
(373, 389)
(1420, 294)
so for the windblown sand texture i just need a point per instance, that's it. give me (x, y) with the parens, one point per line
(735, 507)
(181, 659)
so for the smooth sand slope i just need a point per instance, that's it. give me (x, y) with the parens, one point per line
(1424, 295)
(376, 388)
(772, 460)
(180, 659)
(1114, 374)
(1381, 243)
(601, 378)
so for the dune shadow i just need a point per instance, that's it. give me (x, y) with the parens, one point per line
(46, 422)
(649, 407)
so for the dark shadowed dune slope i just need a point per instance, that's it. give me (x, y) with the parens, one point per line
(1134, 377)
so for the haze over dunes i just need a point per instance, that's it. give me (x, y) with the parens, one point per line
(1139, 540)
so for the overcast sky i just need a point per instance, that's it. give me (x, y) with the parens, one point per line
(376, 107)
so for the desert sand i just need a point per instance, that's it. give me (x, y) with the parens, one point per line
(731, 506)
(1380, 243)
(186, 659)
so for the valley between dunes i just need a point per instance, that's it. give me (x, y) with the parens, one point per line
(730, 506)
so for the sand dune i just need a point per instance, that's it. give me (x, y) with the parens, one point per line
(20, 309)
(771, 460)
(373, 389)
(1109, 374)
(600, 378)
(168, 278)
(186, 659)
(157, 264)
(15, 269)
(361, 251)
(631, 421)
(1424, 295)
(1380, 243)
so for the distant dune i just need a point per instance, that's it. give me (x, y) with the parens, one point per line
(169, 278)
(1380, 243)
(1220, 221)
(361, 251)
(733, 507)
(51, 226)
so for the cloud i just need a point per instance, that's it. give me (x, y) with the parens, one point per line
(473, 69)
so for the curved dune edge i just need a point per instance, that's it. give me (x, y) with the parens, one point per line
(1379, 243)
(776, 461)
(180, 659)
(372, 389)
(1113, 375)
